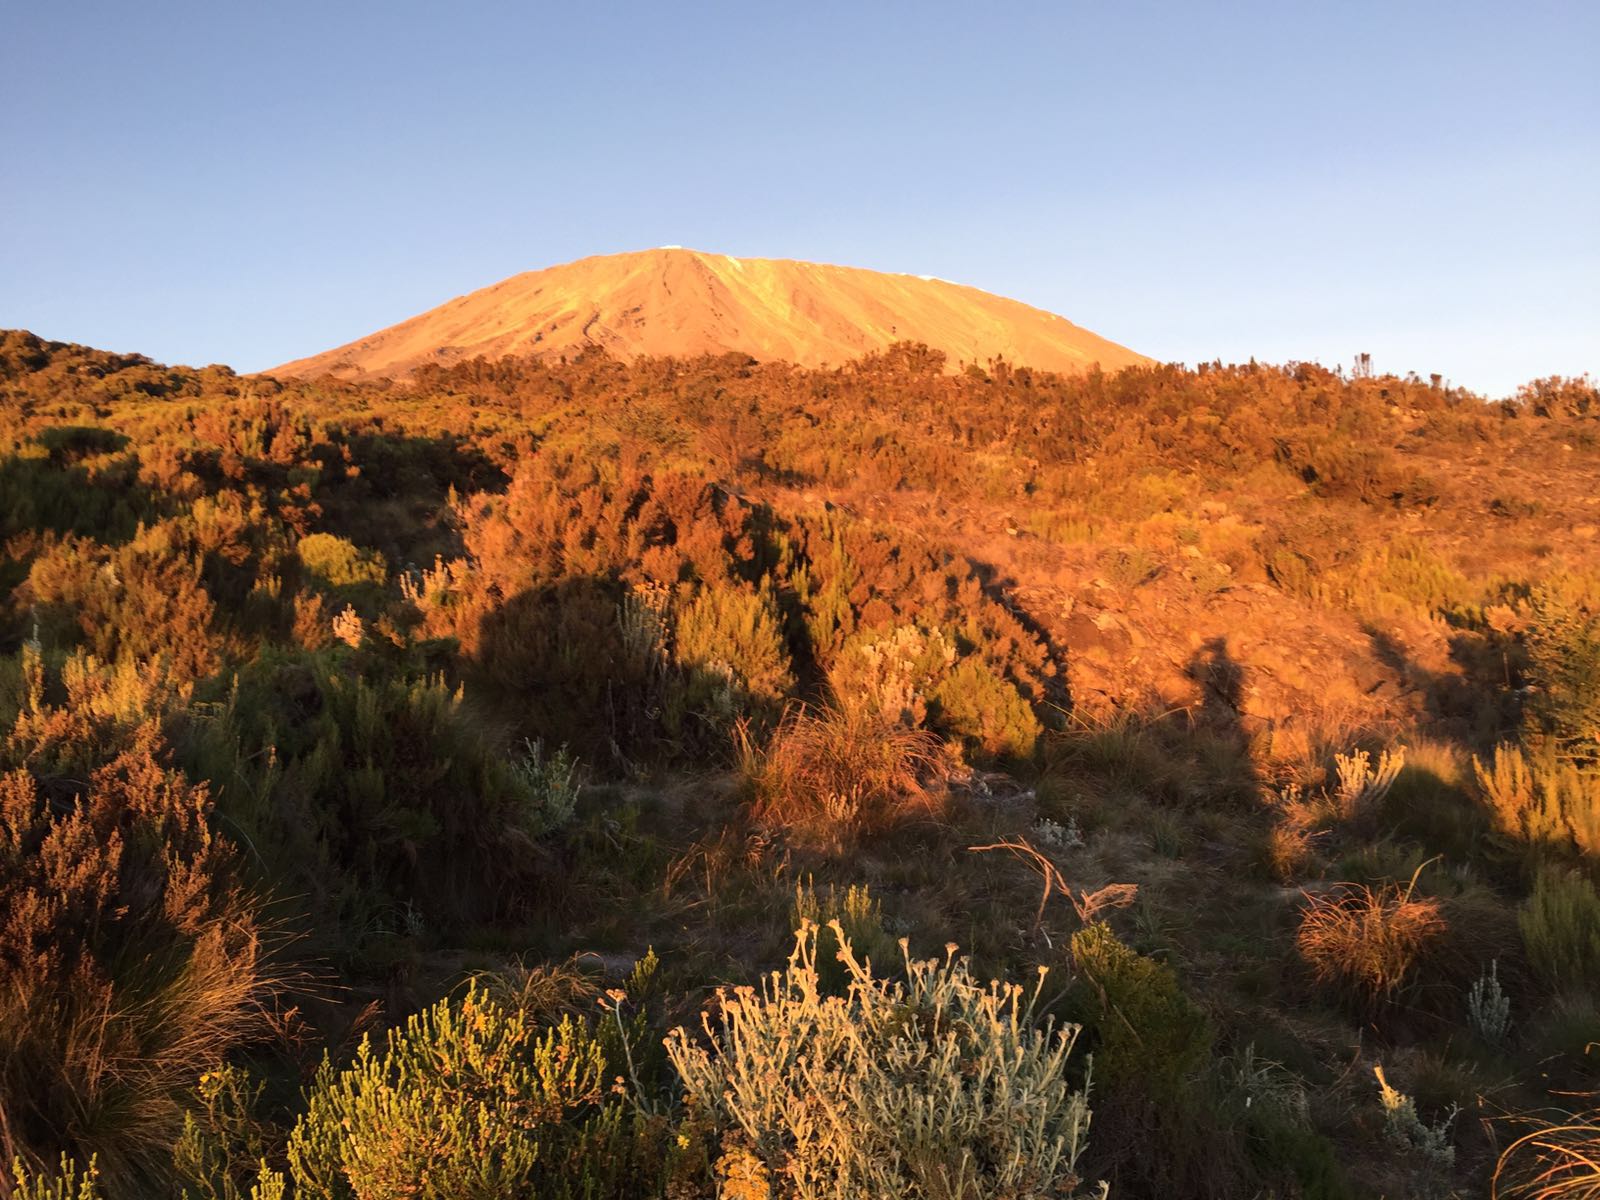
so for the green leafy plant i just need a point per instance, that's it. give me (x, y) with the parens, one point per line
(1147, 1032)
(469, 1099)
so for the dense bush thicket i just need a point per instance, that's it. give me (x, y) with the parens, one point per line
(294, 678)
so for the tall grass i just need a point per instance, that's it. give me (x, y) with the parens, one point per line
(832, 775)
(1554, 1160)
(1367, 942)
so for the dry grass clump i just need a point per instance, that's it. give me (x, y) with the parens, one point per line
(1553, 1160)
(1368, 941)
(832, 775)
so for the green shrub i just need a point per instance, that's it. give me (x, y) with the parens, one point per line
(1563, 645)
(737, 633)
(339, 563)
(1561, 929)
(549, 786)
(1147, 1032)
(986, 712)
(222, 1154)
(468, 1101)
(859, 915)
(65, 1183)
(145, 601)
(937, 1086)
(1537, 800)
(373, 794)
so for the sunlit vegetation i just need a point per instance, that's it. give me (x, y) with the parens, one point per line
(604, 779)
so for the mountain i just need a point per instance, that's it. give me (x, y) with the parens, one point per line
(672, 301)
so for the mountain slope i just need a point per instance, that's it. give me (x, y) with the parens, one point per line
(684, 302)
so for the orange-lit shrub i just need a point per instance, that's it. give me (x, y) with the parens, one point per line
(132, 960)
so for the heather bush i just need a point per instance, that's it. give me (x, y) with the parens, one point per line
(551, 661)
(133, 961)
(1563, 669)
(145, 600)
(1148, 1035)
(1536, 799)
(374, 792)
(338, 563)
(736, 632)
(72, 719)
(986, 712)
(470, 1099)
(935, 1086)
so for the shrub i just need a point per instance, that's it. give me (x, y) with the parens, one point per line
(986, 712)
(1403, 1127)
(1561, 929)
(144, 601)
(932, 1087)
(468, 1100)
(101, 706)
(891, 673)
(1539, 800)
(736, 632)
(367, 794)
(339, 563)
(861, 918)
(1369, 941)
(836, 774)
(1363, 784)
(1563, 645)
(133, 960)
(65, 1183)
(548, 785)
(222, 1154)
(1148, 1034)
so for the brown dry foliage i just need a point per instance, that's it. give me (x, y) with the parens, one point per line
(1554, 1160)
(832, 775)
(1367, 942)
(132, 959)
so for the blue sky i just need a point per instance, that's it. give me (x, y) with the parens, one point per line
(247, 183)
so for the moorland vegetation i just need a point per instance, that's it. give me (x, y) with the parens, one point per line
(692, 778)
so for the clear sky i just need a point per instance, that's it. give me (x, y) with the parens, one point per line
(251, 182)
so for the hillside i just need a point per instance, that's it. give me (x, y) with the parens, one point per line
(686, 303)
(1245, 718)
